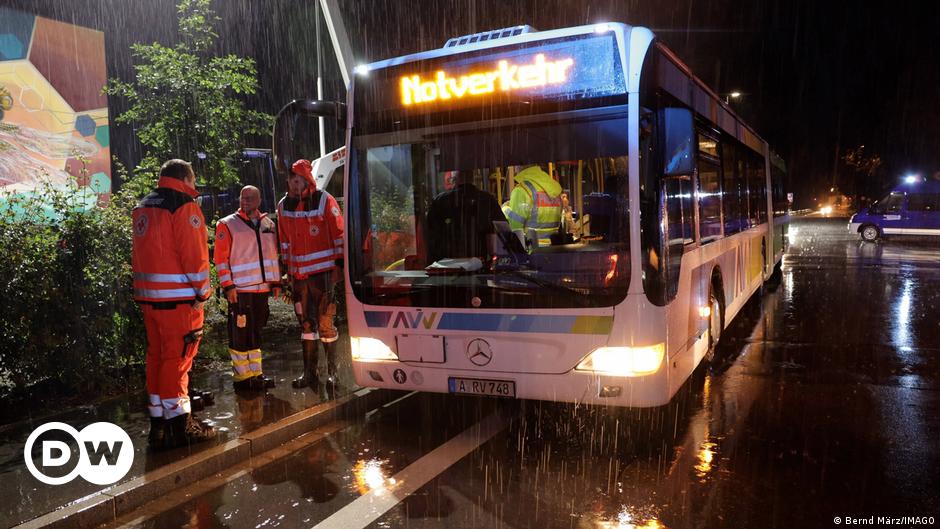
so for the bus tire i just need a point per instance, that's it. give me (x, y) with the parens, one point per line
(869, 233)
(776, 277)
(763, 270)
(716, 323)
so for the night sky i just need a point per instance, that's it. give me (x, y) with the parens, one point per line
(818, 77)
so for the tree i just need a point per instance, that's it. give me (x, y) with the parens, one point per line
(863, 167)
(186, 103)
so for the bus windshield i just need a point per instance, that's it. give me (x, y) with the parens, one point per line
(527, 214)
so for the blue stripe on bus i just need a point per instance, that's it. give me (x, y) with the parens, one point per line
(378, 319)
(499, 322)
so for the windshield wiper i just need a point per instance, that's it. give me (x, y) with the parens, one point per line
(401, 293)
(547, 285)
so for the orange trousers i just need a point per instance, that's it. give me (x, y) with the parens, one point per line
(173, 337)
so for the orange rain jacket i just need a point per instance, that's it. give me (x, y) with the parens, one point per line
(310, 228)
(170, 255)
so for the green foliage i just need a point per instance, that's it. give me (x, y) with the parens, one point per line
(135, 185)
(859, 171)
(392, 208)
(70, 316)
(184, 101)
(861, 162)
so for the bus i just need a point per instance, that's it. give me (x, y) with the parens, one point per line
(675, 215)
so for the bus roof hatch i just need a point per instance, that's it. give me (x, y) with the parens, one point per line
(489, 35)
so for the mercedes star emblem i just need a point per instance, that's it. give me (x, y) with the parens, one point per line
(479, 352)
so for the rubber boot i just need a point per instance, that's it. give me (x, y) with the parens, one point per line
(255, 383)
(184, 430)
(196, 403)
(332, 382)
(157, 433)
(309, 377)
(330, 362)
(208, 399)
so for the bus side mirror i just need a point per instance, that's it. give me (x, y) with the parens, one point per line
(285, 126)
(678, 132)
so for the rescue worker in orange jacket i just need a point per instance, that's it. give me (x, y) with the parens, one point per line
(170, 259)
(246, 254)
(310, 226)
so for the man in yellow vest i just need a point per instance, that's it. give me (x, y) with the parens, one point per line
(246, 258)
(535, 203)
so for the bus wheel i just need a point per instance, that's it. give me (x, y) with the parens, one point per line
(870, 233)
(715, 324)
(776, 276)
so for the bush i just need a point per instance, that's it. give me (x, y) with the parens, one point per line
(70, 317)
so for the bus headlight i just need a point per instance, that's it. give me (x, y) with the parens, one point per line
(624, 361)
(369, 349)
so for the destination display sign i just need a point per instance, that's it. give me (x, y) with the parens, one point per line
(561, 69)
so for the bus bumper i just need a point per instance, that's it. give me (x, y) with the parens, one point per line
(574, 386)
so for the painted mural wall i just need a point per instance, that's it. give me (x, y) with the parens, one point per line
(52, 112)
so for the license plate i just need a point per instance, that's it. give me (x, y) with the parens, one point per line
(477, 386)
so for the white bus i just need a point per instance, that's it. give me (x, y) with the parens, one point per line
(676, 216)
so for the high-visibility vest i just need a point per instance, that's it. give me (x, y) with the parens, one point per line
(535, 203)
(170, 252)
(310, 229)
(246, 255)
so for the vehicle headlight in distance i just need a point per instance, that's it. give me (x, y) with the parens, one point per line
(624, 361)
(369, 349)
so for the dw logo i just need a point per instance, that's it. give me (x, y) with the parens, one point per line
(101, 453)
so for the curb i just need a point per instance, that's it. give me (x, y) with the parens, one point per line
(107, 505)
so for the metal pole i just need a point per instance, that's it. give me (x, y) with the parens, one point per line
(339, 38)
(320, 121)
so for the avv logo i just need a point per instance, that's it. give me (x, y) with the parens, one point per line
(101, 453)
(412, 320)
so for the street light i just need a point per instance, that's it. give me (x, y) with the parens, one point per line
(732, 95)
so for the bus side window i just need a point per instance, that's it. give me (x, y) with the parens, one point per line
(757, 188)
(745, 198)
(709, 200)
(677, 193)
(733, 193)
(760, 184)
(709, 188)
(651, 206)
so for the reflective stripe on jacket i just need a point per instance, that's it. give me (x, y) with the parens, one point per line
(535, 203)
(310, 230)
(170, 254)
(246, 255)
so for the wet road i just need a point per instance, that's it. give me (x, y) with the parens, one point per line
(823, 402)
(24, 497)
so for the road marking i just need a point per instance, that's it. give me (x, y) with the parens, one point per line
(390, 404)
(371, 506)
(155, 508)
